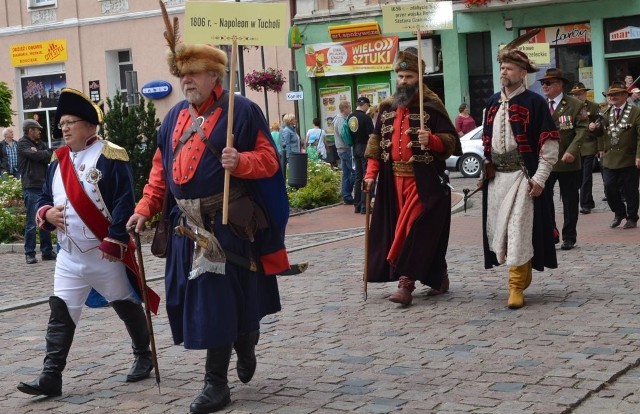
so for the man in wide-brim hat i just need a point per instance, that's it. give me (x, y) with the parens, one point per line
(619, 148)
(567, 114)
(588, 149)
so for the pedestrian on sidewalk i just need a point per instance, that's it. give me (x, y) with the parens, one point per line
(361, 127)
(409, 231)
(572, 125)
(87, 197)
(216, 298)
(33, 158)
(517, 209)
(345, 152)
(9, 154)
(619, 147)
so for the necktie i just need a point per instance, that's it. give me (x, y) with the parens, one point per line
(551, 109)
(617, 114)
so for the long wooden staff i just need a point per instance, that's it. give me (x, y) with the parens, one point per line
(232, 94)
(367, 216)
(147, 311)
(420, 80)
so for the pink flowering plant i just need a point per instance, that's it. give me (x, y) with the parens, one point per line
(270, 79)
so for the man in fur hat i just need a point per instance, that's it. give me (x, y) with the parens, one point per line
(619, 148)
(566, 112)
(412, 212)
(588, 149)
(521, 146)
(216, 297)
(88, 197)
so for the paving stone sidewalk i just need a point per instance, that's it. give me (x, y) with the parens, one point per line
(575, 347)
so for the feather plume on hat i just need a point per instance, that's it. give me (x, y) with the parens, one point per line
(186, 58)
(510, 52)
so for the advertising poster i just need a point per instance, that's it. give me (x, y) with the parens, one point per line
(330, 98)
(358, 56)
(42, 91)
(376, 92)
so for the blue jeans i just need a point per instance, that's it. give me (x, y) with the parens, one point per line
(30, 202)
(346, 161)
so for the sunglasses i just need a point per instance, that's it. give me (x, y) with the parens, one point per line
(547, 83)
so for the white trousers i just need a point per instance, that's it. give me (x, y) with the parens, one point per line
(76, 273)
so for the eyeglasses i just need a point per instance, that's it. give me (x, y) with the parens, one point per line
(63, 124)
(547, 83)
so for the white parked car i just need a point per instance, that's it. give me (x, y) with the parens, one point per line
(470, 162)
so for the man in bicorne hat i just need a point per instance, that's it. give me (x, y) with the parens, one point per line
(217, 296)
(619, 148)
(521, 144)
(88, 197)
(412, 212)
(588, 149)
(566, 112)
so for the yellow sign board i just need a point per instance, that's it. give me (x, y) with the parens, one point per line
(258, 24)
(538, 53)
(38, 53)
(410, 17)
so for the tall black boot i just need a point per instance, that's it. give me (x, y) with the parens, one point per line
(245, 347)
(215, 395)
(59, 337)
(135, 320)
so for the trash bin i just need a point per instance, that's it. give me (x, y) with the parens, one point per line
(297, 169)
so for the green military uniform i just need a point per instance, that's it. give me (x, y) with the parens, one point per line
(619, 139)
(588, 151)
(573, 129)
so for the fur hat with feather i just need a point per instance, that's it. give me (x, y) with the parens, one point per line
(510, 52)
(186, 58)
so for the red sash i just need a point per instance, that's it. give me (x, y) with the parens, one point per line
(98, 223)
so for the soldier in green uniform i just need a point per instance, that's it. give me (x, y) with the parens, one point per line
(573, 127)
(619, 147)
(588, 149)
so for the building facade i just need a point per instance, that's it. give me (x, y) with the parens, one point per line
(90, 45)
(591, 43)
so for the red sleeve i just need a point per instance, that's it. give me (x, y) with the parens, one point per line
(153, 193)
(373, 167)
(262, 162)
(436, 144)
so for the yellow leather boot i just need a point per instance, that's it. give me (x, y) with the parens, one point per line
(519, 280)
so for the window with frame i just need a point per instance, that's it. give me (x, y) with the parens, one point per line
(41, 3)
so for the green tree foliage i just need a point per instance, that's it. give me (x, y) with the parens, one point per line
(5, 105)
(134, 128)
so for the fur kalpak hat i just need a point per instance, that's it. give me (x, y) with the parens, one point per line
(184, 58)
(407, 60)
(74, 102)
(511, 54)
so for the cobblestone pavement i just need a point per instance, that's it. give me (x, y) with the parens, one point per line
(575, 347)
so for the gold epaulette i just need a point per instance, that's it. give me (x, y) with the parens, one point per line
(373, 147)
(114, 152)
(54, 157)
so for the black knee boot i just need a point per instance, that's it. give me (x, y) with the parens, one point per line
(215, 395)
(59, 337)
(135, 320)
(245, 347)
